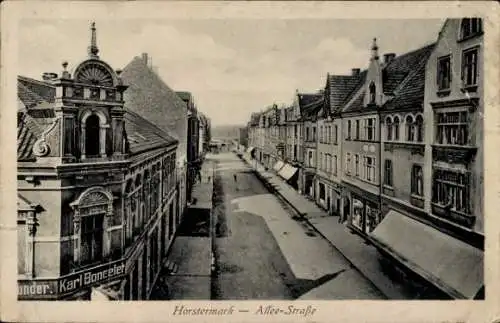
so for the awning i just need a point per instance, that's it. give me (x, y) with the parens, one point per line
(448, 263)
(279, 164)
(287, 172)
(250, 149)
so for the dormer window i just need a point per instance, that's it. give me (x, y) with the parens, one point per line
(372, 93)
(470, 27)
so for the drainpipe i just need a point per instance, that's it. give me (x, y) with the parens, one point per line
(381, 189)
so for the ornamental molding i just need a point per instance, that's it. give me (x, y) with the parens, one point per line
(471, 103)
(41, 148)
(453, 154)
(414, 148)
(93, 197)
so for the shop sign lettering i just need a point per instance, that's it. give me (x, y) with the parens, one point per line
(40, 289)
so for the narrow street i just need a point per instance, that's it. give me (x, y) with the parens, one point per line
(263, 252)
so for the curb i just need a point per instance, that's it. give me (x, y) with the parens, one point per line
(306, 219)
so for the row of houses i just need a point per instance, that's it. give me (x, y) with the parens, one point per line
(106, 161)
(396, 152)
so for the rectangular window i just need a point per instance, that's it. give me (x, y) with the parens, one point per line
(369, 167)
(314, 133)
(307, 134)
(444, 73)
(357, 129)
(450, 190)
(388, 172)
(321, 137)
(348, 133)
(370, 129)
(320, 160)
(469, 67)
(92, 238)
(334, 165)
(356, 165)
(310, 158)
(417, 180)
(451, 128)
(348, 163)
(335, 134)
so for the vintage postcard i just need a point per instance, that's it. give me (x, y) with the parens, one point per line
(249, 162)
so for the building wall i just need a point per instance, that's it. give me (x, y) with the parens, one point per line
(449, 43)
(363, 148)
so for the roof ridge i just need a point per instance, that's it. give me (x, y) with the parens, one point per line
(30, 79)
(411, 52)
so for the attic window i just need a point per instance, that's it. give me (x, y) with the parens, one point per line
(372, 93)
(470, 27)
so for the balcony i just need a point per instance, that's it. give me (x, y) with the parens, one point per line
(453, 153)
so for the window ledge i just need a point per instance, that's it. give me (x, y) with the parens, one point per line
(388, 187)
(462, 39)
(443, 92)
(469, 88)
(418, 197)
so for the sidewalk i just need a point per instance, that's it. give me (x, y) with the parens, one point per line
(363, 257)
(191, 253)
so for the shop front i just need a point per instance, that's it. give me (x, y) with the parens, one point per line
(362, 209)
(76, 286)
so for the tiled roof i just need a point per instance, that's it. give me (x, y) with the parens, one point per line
(340, 88)
(39, 90)
(142, 135)
(310, 111)
(398, 69)
(410, 93)
(307, 98)
(148, 96)
(357, 104)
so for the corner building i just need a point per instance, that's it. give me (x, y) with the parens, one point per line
(96, 187)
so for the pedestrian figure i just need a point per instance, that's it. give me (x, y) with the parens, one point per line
(208, 179)
(234, 175)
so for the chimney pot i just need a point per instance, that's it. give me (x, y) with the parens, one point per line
(145, 58)
(47, 76)
(355, 71)
(389, 57)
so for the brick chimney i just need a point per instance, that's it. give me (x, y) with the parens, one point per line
(389, 57)
(48, 76)
(355, 71)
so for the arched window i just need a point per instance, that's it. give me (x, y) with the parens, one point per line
(372, 93)
(419, 123)
(388, 127)
(395, 125)
(92, 142)
(410, 128)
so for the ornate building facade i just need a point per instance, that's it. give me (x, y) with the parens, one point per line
(96, 187)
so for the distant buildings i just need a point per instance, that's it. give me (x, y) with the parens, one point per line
(101, 179)
(396, 152)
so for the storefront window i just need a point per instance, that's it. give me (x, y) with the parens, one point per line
(357, 215)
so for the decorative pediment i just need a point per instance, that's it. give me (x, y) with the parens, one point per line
(93, 196)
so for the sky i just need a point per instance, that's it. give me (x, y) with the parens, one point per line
(233, 67)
